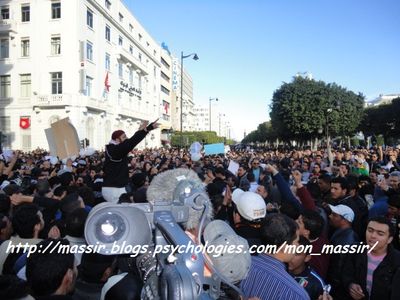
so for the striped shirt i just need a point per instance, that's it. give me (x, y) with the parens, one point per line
(268, 280)
(373, 263)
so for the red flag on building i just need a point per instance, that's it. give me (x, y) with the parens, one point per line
(24, 122)
(106, 83)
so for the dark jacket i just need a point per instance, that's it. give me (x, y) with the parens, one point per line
(360, 209)
(116, 171)
(250, 233)
(337, 263)
(311, 282)
(386, 277)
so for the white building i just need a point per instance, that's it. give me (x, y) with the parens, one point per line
(187, 105)
(219, 121)
(167, 95)
(382, 99)
(89, 60)
(202, 118)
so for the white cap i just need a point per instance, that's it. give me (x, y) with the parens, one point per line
(250, 206)
(344, 211)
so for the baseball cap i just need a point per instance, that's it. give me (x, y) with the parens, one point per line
(235, 263)
(344, 211)
(82, 162)
(250, 206)
(4, 184)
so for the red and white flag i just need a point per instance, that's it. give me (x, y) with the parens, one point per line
(166, 107)
(106, 84)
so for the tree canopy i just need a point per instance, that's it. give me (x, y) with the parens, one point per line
(382, 119)
(302, 108)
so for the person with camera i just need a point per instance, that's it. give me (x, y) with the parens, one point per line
(116, 171)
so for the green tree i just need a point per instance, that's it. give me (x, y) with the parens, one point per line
(382, 119)
(264, 133)
(205, 137)
(302, 108)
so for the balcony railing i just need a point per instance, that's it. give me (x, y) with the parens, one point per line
(6, 26)
(135, 62)
(52, 100)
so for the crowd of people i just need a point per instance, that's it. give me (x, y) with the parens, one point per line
(276, 197)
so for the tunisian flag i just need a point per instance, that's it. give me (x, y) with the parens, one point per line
(106, 83)
(24, 122)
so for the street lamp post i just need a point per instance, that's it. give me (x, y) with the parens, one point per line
(195, 57)
(328, 112)
(209, 110)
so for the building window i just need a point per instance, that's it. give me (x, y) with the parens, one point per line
(5, 125)
(55, 45)
(131, 76)
(120, 70)
(165, 90)
(25, 13)
(89, 51)
(131, 49)
(5, 86)
(4, 48)
(120, 41)
(89, 18)
(140, 37)
(25, 47)
(108, 4)
(165, 76)
(130, 27)
(5, 13)
(108, 62)
(89, 82)
(25, 85)
(56, 83)
(108, 33)
(121, 17)
(56, 10)
(140, 56)
(165, 64)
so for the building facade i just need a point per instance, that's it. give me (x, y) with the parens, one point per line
(89, 60)
(187, 105)
(202, 118)
(382, 99)
(167, 95)
(220, 123)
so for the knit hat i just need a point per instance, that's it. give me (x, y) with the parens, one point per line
(117, 134)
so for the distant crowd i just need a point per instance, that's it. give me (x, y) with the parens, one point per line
(266, 196)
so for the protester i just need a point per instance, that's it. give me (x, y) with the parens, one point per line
(116, 172)
(375, 275)
(285, 188)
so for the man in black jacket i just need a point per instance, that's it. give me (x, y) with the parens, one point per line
(116, 171)
(340, 218)
(374, 275)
